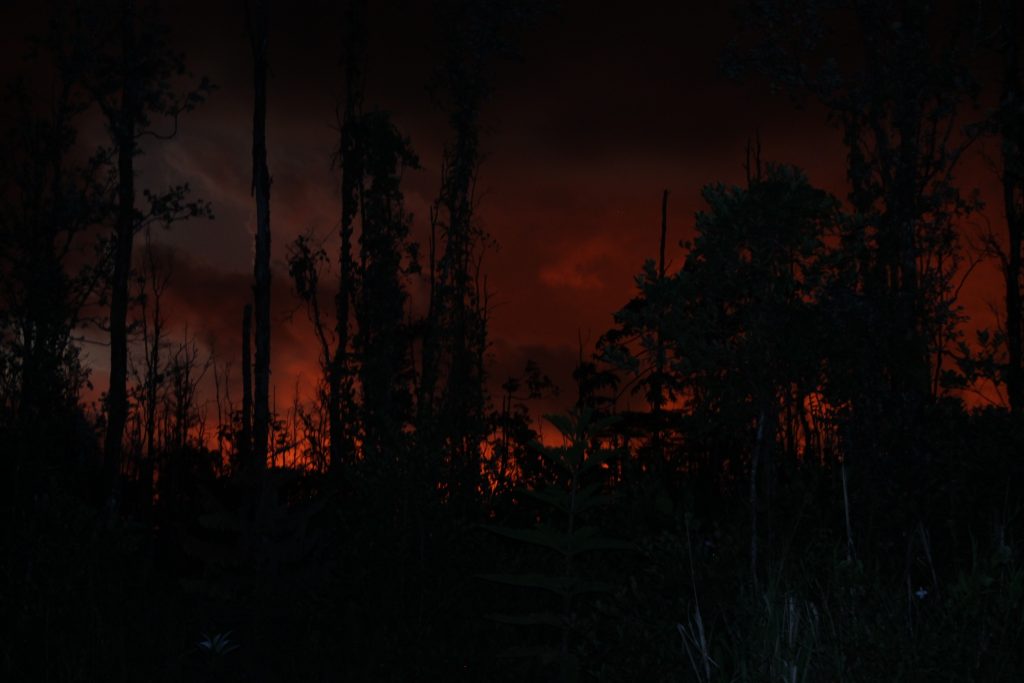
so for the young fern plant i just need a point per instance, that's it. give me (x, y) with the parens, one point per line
(577, 489)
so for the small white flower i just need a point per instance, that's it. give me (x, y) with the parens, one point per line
(921, 593)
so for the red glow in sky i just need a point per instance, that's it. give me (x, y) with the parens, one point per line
(601, 113)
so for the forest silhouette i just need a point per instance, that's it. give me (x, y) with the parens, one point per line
(773, 463)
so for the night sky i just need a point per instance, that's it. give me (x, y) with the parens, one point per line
(602, 111)
(794, 460)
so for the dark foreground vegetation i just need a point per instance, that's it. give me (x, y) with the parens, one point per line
(799, 491)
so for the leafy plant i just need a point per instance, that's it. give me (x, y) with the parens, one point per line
(578, 491)
(217, 644)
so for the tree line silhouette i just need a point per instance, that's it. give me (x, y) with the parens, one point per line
(768, 471)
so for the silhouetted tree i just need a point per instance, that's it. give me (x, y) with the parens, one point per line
(369, 341)
(894, 90)
(53, 189)
(744, 328)
(597, 386)
(386, 257)
(185, 423)
(132, 71)
(513, 458)
(244, 446)
(1009, 125)
(153, 281)
(638, 345)
(452, 397)
(340, 396)
(257, 16)
(47, 202)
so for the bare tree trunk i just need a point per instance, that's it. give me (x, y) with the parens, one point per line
(760, 458)
(257, 12)
(753, 499)
(124, 235)
(850, 551)
(245, 436)
(152, 378)
(658, 381)
(664, 232)
(339, 380)
(1014, 373)
(1012, 131)
(428, 366)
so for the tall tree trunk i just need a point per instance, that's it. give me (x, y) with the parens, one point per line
(257, 11)
(1014, 371)
(760, 466)
(462, 400)
(245, 436)
(1012, 149)
(428, 365)
(124, 235)
(339, 372)
(658, 380)
(754, 459)
(912, 361)
(152, 383)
